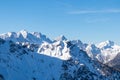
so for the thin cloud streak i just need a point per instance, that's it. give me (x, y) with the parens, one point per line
(95, 11)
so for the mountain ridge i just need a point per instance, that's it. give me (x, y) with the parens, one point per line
(68, 59)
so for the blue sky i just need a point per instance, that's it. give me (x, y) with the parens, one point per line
(88, 20)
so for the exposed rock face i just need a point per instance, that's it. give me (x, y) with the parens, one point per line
(58, 60)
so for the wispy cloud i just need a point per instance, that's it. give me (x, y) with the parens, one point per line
(95, 11)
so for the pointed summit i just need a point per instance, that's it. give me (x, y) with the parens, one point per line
(106, 44)
(24, 33)
(110, 42)
(23, 30)
(37, 34)
(60, 38)
(25, 36)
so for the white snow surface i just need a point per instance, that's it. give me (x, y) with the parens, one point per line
(24, 36)
(33, 56)
(104, 51)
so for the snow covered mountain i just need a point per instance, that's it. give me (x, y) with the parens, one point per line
(33, 56)
(109, 50)
(104, 51)
(24, 36)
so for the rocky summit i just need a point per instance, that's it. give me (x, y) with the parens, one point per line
(33, 56)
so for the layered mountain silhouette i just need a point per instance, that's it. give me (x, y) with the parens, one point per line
(33, 56)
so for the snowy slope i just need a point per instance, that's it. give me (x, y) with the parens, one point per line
(109, 51)
(20, 63)
(33, 56)
(104, 51)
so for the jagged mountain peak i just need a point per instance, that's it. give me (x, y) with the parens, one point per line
(106, 44)
(110, 42)
(68, 59)
(25, 36)
(37, 34)
(60, 38)
(23, 32)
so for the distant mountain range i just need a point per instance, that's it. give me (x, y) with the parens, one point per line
(33, 56)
